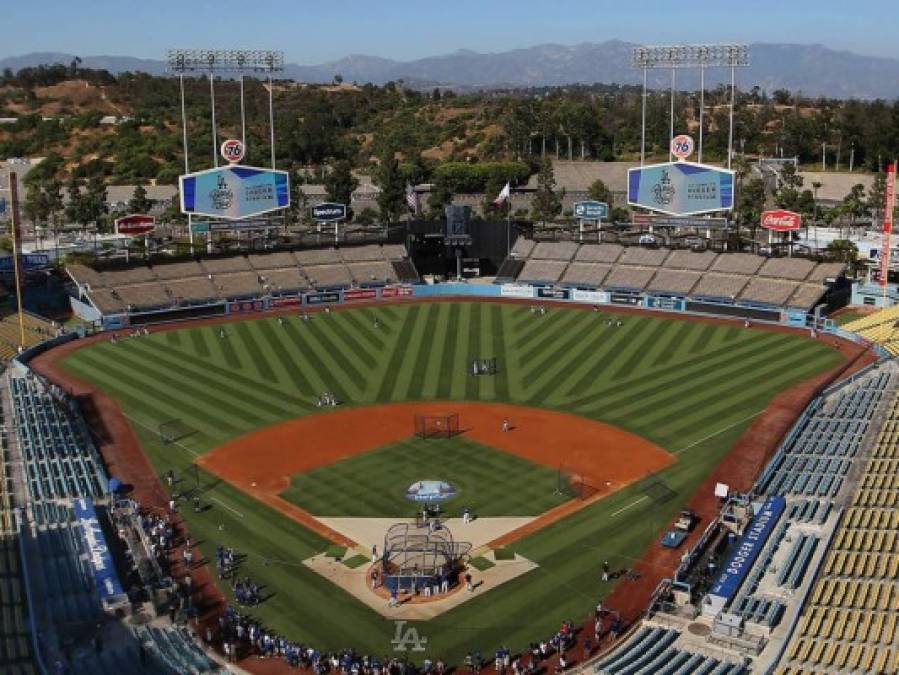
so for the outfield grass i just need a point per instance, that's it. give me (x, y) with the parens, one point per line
(373, 484)
(690, 387)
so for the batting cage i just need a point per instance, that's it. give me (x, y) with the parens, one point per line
(418, 557)
(173, 430)
(657, 489)
(575, 485)
(437, 426)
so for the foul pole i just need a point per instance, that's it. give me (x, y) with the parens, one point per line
(14, 212)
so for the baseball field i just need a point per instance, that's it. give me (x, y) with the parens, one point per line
(685, 389)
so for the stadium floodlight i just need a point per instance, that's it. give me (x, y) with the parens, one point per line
(723, 55)
(691, 56)
(224, 61)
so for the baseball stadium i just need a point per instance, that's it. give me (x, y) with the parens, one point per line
(615, 447)
(565, 439)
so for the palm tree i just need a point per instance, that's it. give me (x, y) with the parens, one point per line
(816, 185)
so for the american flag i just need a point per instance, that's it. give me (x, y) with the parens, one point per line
(412, 199)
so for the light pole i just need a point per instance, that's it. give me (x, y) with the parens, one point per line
(673, 57)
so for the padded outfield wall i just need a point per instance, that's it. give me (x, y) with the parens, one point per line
(755, 312)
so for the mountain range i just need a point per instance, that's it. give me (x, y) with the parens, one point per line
(815, 70)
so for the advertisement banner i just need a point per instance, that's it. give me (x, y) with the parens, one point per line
(591, 210)
(28, 261)
(135, 224)
(204, 226)
(516, 291)
(554, 293)
(748, 548)
(286, 301)
(781, 221)
(246, 306)
(681, 188)
(889, 203)
(360, 294)
(322, 298)
(651, 219)
(328, 212)
(234, 192)
(625, 299)
(396, 291)
(589, 296)
(99, 558)
(676, 304)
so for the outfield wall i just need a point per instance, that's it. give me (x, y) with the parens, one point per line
(339, 296)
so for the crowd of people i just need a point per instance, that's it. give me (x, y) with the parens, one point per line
(161, 537)
(241, 636)
(246, 592)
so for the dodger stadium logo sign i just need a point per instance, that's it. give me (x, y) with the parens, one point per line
(234, 192)
(781, 221)
(681, 188)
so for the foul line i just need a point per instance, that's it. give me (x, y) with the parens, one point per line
(231, 509)
(193, 453)
(716, 433)
(625, 508)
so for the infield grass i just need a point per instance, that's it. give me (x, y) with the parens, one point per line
(690, 387)
(373, 484)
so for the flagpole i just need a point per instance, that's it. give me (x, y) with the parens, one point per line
(509, 222)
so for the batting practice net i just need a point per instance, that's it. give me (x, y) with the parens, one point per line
(173, 430)
(437, 426)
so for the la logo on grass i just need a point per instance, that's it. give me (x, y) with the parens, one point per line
(402, 640)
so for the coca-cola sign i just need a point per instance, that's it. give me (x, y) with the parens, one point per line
(781, 221)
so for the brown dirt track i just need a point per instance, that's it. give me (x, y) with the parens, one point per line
(261, 463)
(125, 459)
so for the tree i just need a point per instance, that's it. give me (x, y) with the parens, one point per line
(340, 183)
(442, 194)
(366, 216)
(139, 202)
(298, 199)
(854, 204)
(74, 203)
(877, 195)
(547, 202)
(843, 250)
(782, 96)
(787, 195)
(599, 191)
(750, 204)
(392, 194)
(36, 206)
(88, 206)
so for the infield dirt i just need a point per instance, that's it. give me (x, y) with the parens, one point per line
(605, 457)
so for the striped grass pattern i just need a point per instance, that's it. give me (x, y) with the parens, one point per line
(684, 385)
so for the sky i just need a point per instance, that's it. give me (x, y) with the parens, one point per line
(315, 32)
